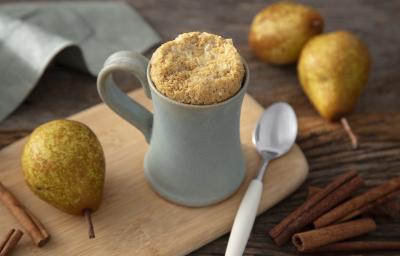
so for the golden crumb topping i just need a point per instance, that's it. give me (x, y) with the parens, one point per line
(197, 68)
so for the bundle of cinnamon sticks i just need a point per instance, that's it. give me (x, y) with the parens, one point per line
(333, 213)
(10, 241)
(33, 227)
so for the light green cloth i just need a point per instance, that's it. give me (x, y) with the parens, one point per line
(82, 35)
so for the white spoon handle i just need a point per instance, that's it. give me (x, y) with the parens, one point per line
(244, 219)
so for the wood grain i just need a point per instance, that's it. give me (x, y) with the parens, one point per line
(376, 119)
(133, 219)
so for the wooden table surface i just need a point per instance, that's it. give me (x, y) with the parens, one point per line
(376, 119)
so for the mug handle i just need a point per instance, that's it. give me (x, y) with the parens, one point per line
(118, 101)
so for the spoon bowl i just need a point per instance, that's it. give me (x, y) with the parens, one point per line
(276, 130)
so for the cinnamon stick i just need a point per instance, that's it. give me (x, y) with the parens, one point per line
(370, 206)
(378, 211)
(38, 237)
(6, 238)
(10, 241)
(310, 203)
(359, 246)
(312, 190)
(369, 197)
(391, 207)
(319, 237)
(334, 193)
(39, 225)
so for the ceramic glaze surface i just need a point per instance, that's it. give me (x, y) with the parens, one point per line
(195, 156)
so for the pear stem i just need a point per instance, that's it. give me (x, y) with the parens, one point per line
(352, 136)
(88, 216)
(317, 24)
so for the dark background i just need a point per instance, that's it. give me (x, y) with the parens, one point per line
(376, 119)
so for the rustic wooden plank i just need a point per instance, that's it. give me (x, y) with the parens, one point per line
(376, 118)
(73, 91)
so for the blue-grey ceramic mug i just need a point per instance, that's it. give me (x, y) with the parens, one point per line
(195, 156)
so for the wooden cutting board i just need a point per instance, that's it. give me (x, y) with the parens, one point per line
(133, 220)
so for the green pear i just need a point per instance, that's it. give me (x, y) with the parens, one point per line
(279, 32)
(63, 164)
(333, 70)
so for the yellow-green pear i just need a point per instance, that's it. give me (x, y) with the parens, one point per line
(279, 32)
(63, 164)
(333, 69)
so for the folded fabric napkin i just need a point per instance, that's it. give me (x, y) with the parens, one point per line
(81, 35)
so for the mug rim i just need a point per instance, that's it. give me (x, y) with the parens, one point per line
(242, 89)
